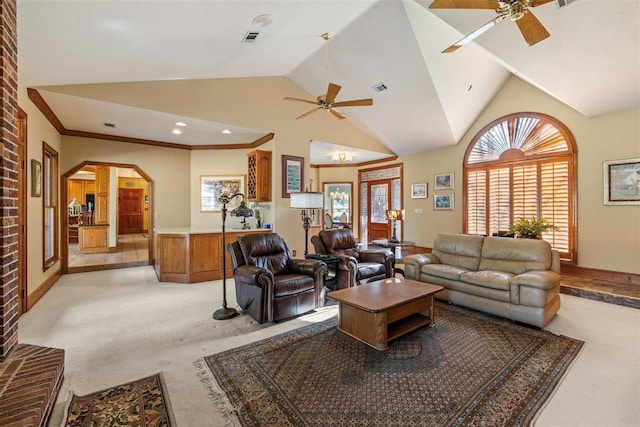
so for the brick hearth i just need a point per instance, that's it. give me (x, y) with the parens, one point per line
(30, 380)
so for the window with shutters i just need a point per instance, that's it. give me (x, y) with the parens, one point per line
(520, 166)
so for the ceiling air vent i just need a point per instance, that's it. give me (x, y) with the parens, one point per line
(109, 125)
(563, 3)
(380, 87)
(250, 37)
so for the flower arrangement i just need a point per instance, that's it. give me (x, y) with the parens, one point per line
(531, 229)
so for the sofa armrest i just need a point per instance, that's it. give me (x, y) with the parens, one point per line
(555, 261)
(413, 264)
(380, 256)
(541, 279)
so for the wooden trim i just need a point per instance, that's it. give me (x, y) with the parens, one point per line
(104, 136)
(258, 142)
(352, 165)
(44, 108)
(35, 296)
(598, 274)
(113, 249)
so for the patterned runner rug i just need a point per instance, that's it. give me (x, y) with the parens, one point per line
(138, 403)
(471, 369)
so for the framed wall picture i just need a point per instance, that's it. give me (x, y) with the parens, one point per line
(443, 181)
(419, 191)
(292, 175)
(213, 186)
(443, 202)
(36, 178)
(622, 182)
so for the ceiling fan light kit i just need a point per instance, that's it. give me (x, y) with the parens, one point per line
(327, 101)
(516, 10)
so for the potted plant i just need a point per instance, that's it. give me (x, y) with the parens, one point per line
(531, 229)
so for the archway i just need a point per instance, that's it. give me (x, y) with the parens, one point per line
(123, 250)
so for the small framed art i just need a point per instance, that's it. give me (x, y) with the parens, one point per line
(212, 187)
(443, 181)
(622, 182)
(443, 202)
(419, 191)
(292, 175)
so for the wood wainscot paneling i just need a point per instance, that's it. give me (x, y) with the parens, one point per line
(93, 239)
(193, 257)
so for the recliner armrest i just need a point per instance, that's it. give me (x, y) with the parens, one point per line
(252, 275)
(308, 267)
(381, 256)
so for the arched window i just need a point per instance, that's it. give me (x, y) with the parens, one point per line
(519, 166)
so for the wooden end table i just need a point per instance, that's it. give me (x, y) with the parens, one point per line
(379, 312)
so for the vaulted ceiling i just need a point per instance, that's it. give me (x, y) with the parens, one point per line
(591, 62)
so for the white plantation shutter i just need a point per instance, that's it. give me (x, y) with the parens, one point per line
(477, 202)
(521, 166)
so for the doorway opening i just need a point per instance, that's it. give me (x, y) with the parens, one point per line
(380, 190)
(108, 217)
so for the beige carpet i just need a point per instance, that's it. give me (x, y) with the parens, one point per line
(120, 325)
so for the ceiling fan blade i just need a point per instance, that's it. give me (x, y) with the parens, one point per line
(473, 35)
(465, 4)
(531, 29)
(308, 113)
(535, 3)
(287, 98)
(337, 113)
(332, 92)
(354, 103)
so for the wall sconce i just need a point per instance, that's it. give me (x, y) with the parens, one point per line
(395, 215)
(307, 201)
(342, 157)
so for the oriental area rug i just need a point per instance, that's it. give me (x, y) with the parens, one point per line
(139, 403)
(470, 369)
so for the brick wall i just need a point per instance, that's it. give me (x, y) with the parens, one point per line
(9, 165)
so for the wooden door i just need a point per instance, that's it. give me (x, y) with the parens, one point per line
(379, 201)
(101, 211)
(130, 210)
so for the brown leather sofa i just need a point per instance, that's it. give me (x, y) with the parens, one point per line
(270, 285)
(514, 278)
(357, 264)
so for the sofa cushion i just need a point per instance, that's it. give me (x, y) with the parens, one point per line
(459, 250)
(443, 270)
(515, 255)
(488, 279)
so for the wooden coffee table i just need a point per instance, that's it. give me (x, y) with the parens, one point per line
(379, 312)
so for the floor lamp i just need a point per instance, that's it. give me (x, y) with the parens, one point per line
(307, 201)
(395, 215)
(243, 211)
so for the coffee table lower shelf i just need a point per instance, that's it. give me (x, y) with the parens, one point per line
(374, 329)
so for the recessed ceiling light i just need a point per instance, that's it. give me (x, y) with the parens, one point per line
(176, 131)
(262, 20)
(181, 124)
(227, 132)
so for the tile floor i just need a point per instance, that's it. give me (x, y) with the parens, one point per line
(133, 249)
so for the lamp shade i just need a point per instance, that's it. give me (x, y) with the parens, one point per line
(395, 214)
(307, 200)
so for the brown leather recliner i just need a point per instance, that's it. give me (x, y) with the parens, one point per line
(270, 285)
(357, 264)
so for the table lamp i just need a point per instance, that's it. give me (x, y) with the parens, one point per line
(395, 215)
(307, 201)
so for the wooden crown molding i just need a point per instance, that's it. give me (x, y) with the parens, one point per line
(359, 164)
(44, 108)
